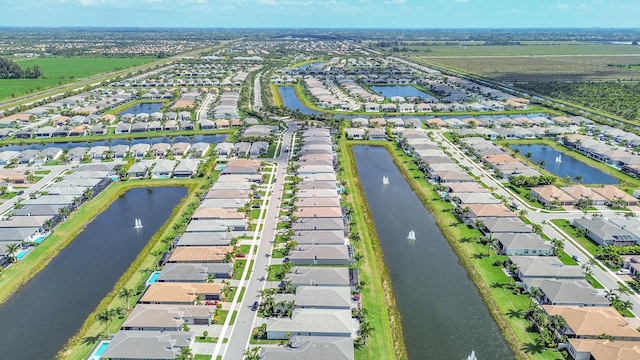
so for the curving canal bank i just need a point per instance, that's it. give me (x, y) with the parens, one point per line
(52, 306)
(443, 315)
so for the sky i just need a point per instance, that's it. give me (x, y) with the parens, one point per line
(322, 13)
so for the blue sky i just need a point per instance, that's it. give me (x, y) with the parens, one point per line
(322, 13)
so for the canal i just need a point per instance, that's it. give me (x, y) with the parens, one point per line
(564, 165)
(443, 315)
(38, 320)
(403, 91)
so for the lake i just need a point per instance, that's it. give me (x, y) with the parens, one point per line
(402, 90)
(143, 108)
(38, 320)
(443, 315)
(566, 166)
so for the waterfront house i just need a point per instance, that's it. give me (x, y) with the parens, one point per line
(322, 255)
(568, 293)
(199, 254)
(189, 272)
(130, 345)
(603, 349)
(318, 297)
(545, 267)
(186, 168)
(181, 293)
(522, 244)
(311, 348)
(312, 322)
(323, 276)
(592, 322)
(162, 317)
(497, 225)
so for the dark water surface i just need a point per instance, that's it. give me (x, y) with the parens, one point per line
(37, 321)
(443, 315)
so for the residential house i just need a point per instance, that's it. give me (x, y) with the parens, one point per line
(311, 322)
(181, 293)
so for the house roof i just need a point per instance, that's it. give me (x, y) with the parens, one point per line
(319, 276)
(319, 237)
(546, 267)
(311, 348)
(605, 230)
(612, 193)
(572, 292)
(490, 210)
(314, 321)
(523, 241)
(164, 315)
(552, 193)
(188, 272)
(590, 321)
(607, 349)
(319, 296)
(199, 253)
(321, 252)
(178, 292)
(130, 344)
(506, 225)
(318, 212)
(216, 213)
(206, 238)
(336, 223)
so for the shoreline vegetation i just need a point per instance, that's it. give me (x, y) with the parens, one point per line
(481, 272)
(80, 345)
(387, 339)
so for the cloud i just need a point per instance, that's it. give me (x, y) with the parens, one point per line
(562, 6)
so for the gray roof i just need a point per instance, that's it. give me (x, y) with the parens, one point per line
(549, 267)
(37, 210)
(16, 234)
(215, 225)
(605, 230)
(318, 224)
(24, 222)
(205, 239)
(335, 237)
(185, 272)
(334, 321)
(129, 344)
(508, 224)
(311, 348)
(319, 276)
(319, 297)
(225, 203)
(321, 252)
(576, 292)
(529, 241)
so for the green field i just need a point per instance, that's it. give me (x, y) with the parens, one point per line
(525, 49)
(58, 71)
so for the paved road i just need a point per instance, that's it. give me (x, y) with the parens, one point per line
(257, 93)
(239, 334)
(201, 114)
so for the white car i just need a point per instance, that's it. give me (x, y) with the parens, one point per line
(623, 272)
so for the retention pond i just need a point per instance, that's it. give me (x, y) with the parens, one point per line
(39, 319)
(443, 315)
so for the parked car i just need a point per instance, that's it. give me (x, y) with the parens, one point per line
(576, 258)
(623, 272)
(254, 307)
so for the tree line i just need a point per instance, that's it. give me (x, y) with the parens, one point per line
(615, 97)
(11, 70)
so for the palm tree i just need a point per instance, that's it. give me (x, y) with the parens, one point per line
(126, 294)
(185, 354)
(252, 353)
(558, 245)
(478, 224)
(534, 293)
(105, 316)
(528, 155)
(11, 251)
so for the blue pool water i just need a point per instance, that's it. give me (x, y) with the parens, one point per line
(143, 107)
(97, 353)
(39, 239)
(21, 254)
(153, 278)
(404, 91)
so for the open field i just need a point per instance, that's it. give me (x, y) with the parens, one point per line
(57, 71)
(541, 68)
(524, 49)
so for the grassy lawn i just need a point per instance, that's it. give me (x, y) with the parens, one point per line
(507, 307)
(62, 70)
(278, 253)
(201, 357)
(82, 343)
(565, 225)
(237, 269)
(386, 340)
(594, 282)
(244, 249)
(224, 314)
